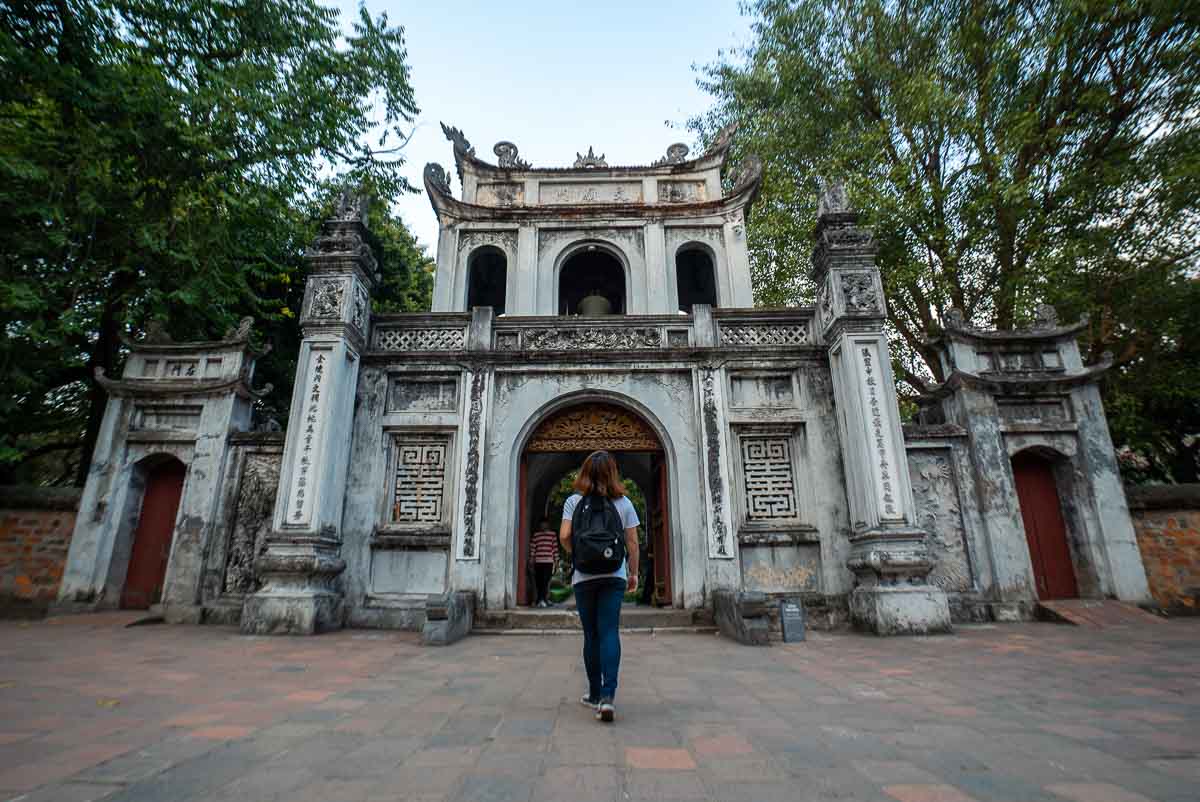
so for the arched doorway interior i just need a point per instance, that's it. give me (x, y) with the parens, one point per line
(591, 273)
(487, 279)
(695, 278)
(1045, 528)
(152, 538)
(559, 445)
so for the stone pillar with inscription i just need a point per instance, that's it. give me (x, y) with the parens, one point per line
(301, 591)
(889, 554)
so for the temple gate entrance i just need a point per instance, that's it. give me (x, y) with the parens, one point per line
(152, 538)
(558, 446)
(1041, 513)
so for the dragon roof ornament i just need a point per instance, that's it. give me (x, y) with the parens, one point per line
(506, 152)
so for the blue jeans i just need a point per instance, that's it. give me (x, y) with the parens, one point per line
(599, 603)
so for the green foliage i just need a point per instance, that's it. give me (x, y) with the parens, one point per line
(1007, 154)
(167, 160)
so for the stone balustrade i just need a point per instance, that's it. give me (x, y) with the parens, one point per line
(723, 328)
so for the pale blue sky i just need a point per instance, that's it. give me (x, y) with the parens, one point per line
(554, 78)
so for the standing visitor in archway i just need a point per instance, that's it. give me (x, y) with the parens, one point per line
(544, 548)
(599, 530)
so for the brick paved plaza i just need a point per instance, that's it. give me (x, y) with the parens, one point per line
(91, 710)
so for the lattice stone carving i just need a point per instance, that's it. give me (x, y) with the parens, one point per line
(419, 488)
(764, 334)
(420, 339)
(768, 477)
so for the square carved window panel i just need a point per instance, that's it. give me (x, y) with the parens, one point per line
(419, 478)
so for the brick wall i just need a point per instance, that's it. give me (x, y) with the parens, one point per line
(1167, 522)
(35, 533)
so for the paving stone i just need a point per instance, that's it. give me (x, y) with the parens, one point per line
(1096, 792)
(660, 759)
(655, 785)
(993, 715)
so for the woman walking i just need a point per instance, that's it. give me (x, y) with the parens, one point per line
(599, 527)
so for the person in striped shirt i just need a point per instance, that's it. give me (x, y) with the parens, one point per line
(544, 545)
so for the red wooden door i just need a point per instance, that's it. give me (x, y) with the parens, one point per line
(152, 539)
(660, 543)
(523, 586)
(1045, 529)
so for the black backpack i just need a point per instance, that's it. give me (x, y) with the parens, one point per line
(597, 538)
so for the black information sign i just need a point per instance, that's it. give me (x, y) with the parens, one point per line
(791, 616)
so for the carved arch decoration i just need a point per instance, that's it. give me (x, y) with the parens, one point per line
(590, 427)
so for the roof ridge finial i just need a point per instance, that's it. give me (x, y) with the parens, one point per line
(833, 199)
(590, 160)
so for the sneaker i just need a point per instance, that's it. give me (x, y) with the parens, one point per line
(605, 711)
(587, 700)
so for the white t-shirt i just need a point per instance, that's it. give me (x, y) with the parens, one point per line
(629, 519)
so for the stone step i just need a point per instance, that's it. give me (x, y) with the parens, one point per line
(1095, 613)
(565, 619)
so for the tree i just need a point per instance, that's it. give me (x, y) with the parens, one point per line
(1007, 153)
(162, 160)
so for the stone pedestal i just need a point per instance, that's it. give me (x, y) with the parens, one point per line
(892, 596)
(301, 592)
(889, 554)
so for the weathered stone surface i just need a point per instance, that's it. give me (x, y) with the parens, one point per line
(742, 616)
(900, 610)
(448, 618)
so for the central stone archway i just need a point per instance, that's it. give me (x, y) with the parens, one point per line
(558, 445)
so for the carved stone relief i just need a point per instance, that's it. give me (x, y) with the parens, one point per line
(678, 235)
(362, 308)
(790, 569)
(630, 240)
(712, 442)
(825, 303)
(593, 427)
(935, 492)
(327, 297)
(500, 194)
(251, 522)
(505, 240)
(761, 391)
(571, 338)
(424, 394)
(858, 292)
(1034, 410)
(682, 192)
(474, 422)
